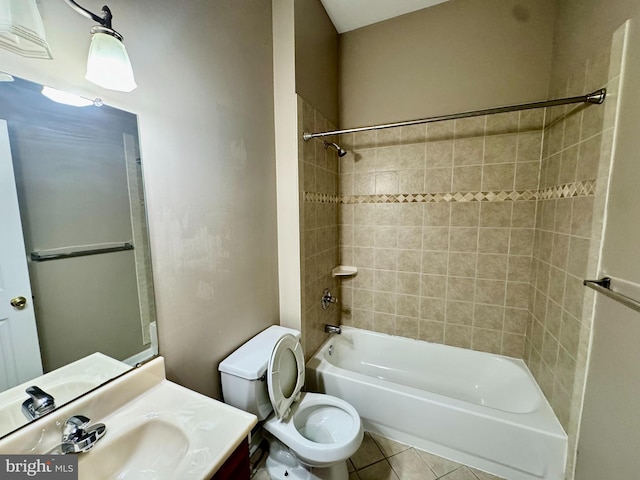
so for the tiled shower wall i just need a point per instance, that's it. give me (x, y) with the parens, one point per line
(318, 183)
(439, 220)
(573, 187)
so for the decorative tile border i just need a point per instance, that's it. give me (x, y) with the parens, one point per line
(312, 197)
(583, 188)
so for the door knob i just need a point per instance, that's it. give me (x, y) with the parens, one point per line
(19, 302)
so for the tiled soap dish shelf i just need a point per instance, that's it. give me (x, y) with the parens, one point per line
(344, 271)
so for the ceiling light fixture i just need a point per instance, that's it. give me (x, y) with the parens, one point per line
(108, 65)
(70, 99)
(22, 30)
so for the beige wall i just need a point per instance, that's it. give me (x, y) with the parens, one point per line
(316, 42)
(205, 106)
(459, 55)
(610, 427)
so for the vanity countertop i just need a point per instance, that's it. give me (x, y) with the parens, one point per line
(152, 423)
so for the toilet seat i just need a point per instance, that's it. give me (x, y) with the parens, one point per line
(341, 422)
(286, 366)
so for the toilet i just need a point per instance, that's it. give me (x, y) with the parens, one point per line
(311, 434)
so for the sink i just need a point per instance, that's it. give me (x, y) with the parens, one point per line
(156, 429)
(150, 450)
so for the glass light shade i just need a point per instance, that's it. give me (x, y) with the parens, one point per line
(108, 65)
(22, 30)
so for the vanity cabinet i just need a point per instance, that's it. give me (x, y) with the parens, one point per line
(237, 465)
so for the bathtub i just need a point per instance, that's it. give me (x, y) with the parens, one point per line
(479, 409)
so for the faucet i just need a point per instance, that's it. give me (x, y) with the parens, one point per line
(78, 437)
(39, 403)
(327, 299)
(332, 329)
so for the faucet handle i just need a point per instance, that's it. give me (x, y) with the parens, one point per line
(78, 437)
(41, 399)
(74, 427)
(38, 403)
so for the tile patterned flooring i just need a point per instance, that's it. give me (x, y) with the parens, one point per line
(380, 458)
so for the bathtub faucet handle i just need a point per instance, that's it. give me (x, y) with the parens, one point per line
(327, 299)
(332, 329)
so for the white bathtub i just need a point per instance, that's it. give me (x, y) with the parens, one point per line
(480, 409)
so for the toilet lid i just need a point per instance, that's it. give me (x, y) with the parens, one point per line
(285, 376)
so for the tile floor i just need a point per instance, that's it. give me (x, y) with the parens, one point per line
(380, 458)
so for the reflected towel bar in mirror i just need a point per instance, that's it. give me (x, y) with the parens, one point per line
(81, 251)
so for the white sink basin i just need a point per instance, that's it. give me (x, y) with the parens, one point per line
(156, 430)
(152, 450)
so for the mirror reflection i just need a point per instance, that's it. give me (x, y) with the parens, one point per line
(75, 265)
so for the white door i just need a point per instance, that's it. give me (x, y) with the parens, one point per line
(19, 348)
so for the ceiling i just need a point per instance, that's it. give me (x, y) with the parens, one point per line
(348, 15)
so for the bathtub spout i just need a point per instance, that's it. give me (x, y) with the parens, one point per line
(332, 329)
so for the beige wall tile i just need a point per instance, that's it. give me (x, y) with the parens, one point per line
(459, 313)
(439, 154)
(468, 151)
(385, 281)
(411, 181)
(434, 262)
(467, 179)
(465, 214)
(457, 336)
(408, 283)
(493, 240)
(470, 127)
(386, 182)
(384, 302)
(438, 179)
(463, 239)
(495, 214)
(432, 309)
(440, 131)
(431, 331)
(488, 316)
(502, 123)
(411, 261)
(487, 340)
(414, 134)
(389, 136)
(435, 238)
(412, 157)
(407, 327)
(500, 149)
(462, 264)
(529, 147)
(437, 214)
(384, 323)
(409, 238)
(490, 291)
(408, 306)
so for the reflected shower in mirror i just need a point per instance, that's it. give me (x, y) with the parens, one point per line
(75, 264)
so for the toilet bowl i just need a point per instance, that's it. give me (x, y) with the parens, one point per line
(311, 434)
(321, 431)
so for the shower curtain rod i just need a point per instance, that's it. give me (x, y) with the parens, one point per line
(596, 97)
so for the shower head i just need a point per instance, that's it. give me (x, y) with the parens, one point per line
(341, 151)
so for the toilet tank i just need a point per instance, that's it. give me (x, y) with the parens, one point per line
(243, 373)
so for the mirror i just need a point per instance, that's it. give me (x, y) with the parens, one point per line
(75, 263)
